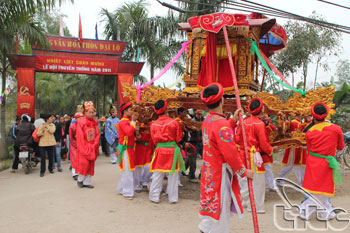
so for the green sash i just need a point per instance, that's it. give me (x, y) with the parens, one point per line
(177, 155)
(332, 163)
(142, 143)
(121, 149)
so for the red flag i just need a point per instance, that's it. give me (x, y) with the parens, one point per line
(80, 30)
(122, 99)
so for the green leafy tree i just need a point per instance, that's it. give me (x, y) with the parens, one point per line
(342, 95)
(342, 73)
(307, 43)
(17, 24)
(155, 37)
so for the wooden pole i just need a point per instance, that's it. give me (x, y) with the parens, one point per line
(117, 96)
(262, 82)
(247, 156)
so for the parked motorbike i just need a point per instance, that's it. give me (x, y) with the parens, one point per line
(27, 158)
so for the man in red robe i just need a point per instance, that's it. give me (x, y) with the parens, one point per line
(73, 144)
(322, 169)
(293, 157)
(88, 138)
(257, 143)
(222, 164)
(166, 133)
(143, 156)
(305, 126)
(268, 159)
(126, 150)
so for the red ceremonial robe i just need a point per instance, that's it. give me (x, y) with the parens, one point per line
(143, 150)
(268, 159)
(88, 138)
(304, 154)
(220, 158)
(294, 125)
(165, 129)
(324, 139)
(73, 145)
(257, 141)
(127, 138)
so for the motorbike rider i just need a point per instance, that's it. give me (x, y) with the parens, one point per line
(23, 134)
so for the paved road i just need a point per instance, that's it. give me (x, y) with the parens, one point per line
(54, 204)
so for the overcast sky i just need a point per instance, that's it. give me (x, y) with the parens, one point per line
(90, 10)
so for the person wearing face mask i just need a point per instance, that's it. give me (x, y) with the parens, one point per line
(88, 138)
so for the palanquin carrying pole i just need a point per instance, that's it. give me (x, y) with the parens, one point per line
(238, 101)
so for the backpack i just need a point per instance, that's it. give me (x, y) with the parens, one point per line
(35, 136)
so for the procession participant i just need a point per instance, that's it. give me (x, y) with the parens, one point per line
(187, 143)
(143, 157)
(111, 134)
(88, 138)
(322, 169)
(146, 174)
(305, 126)
(268, 159)
(257, 143)
(293, 156)
(126, 152)
(166, 133)
(221, 166)
(73, 145)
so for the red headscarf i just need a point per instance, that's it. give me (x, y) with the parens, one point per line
(315, 115)
(213, 98)
(125, 106)
(257, 110)
(162, 109)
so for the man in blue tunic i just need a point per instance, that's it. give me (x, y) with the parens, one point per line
(111, 134)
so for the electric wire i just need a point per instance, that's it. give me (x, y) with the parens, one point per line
(335, 4)
(270, 11)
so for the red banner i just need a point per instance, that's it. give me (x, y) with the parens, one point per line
(126, 78)
(25, 82)
(86, 46)
(76, 65)
(25, 105)
(25, 92)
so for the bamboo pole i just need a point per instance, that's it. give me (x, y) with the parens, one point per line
(238, 101)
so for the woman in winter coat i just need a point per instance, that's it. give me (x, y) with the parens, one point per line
(47, 143)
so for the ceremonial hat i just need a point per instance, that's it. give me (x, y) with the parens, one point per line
(88, 105)
(257, 110)
(77, 115)
(80, 108)
(214, 98)
(319, 110)
(125, 106)
(162, 109)
(112, 109)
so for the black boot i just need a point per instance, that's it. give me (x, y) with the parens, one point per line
(80, 184)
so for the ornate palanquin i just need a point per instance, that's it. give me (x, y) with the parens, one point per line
(271, 38)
